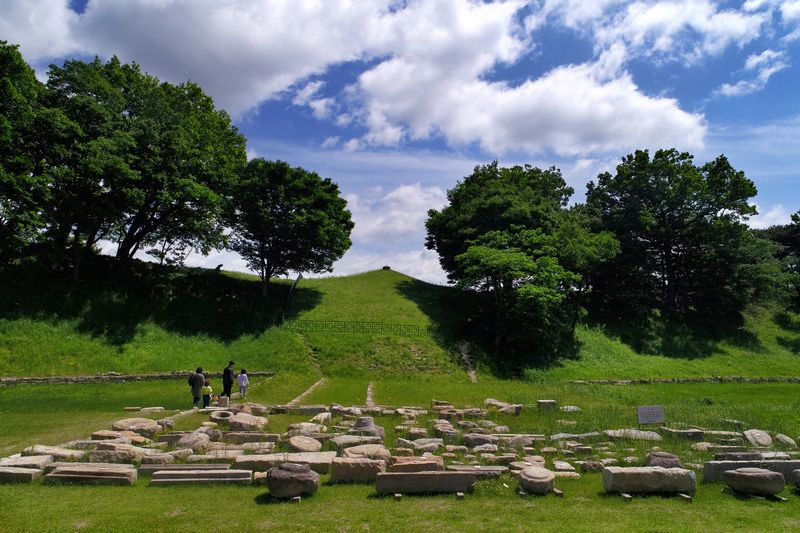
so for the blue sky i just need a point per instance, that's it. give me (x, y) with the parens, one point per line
(398, 100)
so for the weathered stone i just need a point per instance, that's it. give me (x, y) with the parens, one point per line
(511, 409)
(321, 418)
(245, 422)
(592, 466)
(632, 434)
(424, 482)
(785, 440)
(58, 453)
(368, 451)
(204, 476)
(320, 462)
(353, 470)
(365, 425)
(307, 427)
(143, 426)
(151, 409)
(547, 405)
(738, 456)
(301, 443)
(758, 437)
(563, 466)
(222, 417)
(404, 452)
(291, 479)
(147, 469)
(197, 442)
(662, 459)
(574, 436)
(121, 455)
(348, 441)
(690, 434)
(106, 434)
(648, 479)
(714, 470)
(570, 408)
(504, 459)
(772, 456)
(166, 422)
(476, 439)
(452, 448)
(485, 448)
(417, 433)
(158, 459)
(98, 474)
(479, 471)
(431, 463)
(250, 436)
(518, 441)
(537, 480)
(754, 481)
(15, 474)
(28, 461)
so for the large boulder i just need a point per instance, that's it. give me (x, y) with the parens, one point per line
(301, 443)
(245, 422)
(291, 479)
(758, 437)
(197, 442)
(663, 459)
(648, 479)
(368, 451)
(537, 480)
(754, 481)
(142, 426)
(355, 470)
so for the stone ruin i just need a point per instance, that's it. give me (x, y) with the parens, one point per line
(440, 449)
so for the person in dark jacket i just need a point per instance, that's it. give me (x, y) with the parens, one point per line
(196, 381)
(227, 379)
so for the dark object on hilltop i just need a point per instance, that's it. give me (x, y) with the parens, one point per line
(387, 267)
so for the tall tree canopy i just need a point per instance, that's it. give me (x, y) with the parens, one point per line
(147, 162)
(286, 218)
(684, 244)
(506, 234)
(21, 187)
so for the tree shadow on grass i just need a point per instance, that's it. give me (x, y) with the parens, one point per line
(188, 301)
(689, 337)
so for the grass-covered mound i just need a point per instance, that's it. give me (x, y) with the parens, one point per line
(160, 319)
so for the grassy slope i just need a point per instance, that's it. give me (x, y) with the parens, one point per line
(66, 331)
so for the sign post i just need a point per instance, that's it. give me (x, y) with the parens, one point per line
(650, 414)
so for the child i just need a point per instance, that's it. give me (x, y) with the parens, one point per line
(206, 394)
(243, 383)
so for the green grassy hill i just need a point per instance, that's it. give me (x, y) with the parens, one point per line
(181, 318)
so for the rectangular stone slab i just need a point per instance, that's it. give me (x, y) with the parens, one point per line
(647, 479)
(105, 475)
(13, 474)
(213, 473)
(149, 469)
(713, 470)
(202, 481)
(240, 437)
(52, 466)
(63, 454)
(480, 472)
(424, 482)
(28, 461)
(210, 459)
(319, 462)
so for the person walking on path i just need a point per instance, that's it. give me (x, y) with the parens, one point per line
(243, 381)
(196, 381)
(227, 379)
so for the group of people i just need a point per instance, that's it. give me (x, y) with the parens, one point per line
(201, 385)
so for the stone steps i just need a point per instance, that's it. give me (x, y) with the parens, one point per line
(202, 477)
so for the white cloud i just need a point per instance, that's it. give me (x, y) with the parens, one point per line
(307, 96)
(765, 64)
(394, 217)
(777, 215)
(421, 264)
(42, 28)
(331, 142)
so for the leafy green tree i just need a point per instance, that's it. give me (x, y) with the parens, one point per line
(506, 235)
(682, 237)
(287, 219)
(21, 189)
(787, 239)
(148, 162)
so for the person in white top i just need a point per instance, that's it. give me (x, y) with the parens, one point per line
(243, 381)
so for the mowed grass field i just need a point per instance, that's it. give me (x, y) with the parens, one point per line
(208, 319)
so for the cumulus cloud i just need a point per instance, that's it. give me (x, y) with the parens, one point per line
(42, 28)
(777, 215)
(397, 216)
(421, 264)
(764, 66)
